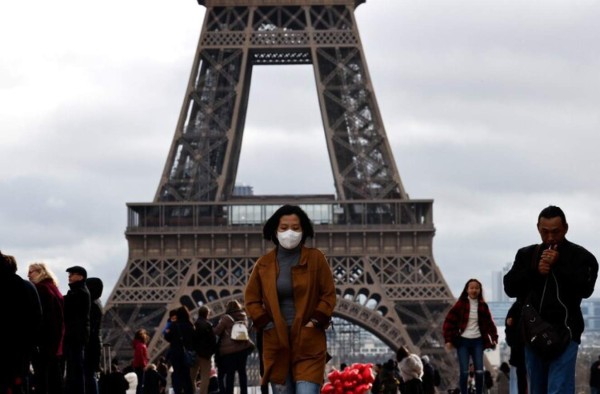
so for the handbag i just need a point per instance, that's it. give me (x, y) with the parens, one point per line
(545, 339)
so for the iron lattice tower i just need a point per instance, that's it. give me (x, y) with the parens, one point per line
(197, 242)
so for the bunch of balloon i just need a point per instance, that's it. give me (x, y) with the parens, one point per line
(354, 379)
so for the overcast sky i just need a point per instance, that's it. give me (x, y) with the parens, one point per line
(491, 109)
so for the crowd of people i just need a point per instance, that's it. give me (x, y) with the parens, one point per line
(52, 343)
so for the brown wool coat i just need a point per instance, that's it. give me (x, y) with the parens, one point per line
(303, 349)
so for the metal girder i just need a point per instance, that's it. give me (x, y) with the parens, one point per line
(204, 155)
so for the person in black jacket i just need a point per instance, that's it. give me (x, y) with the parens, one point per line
(180, 334)
(205, 345)
(113, 382)
(553, 277)
(154, 382)
(20, 307)
(93, 350)
(431, 376)
(77, 329)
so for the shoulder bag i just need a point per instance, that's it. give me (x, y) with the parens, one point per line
(545, 339)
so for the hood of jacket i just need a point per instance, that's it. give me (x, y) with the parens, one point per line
(95, 286)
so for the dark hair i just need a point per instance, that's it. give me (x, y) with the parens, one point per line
(552, 211)
(8, 264)
(464, 295)
(203, 311)
(183, 314)
(270, 227)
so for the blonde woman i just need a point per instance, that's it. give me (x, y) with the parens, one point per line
(48, 374)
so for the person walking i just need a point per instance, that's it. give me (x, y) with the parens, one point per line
(233, 354)
(180, 334)
(290, 296)
(77, 329)
(140, 357)
(205, 345)
(470, 329)
(46, 364)
(554, 277)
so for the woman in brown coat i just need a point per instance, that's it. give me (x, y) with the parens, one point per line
(232, 354)
(290, 297)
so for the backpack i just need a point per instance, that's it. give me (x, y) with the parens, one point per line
(239, 331)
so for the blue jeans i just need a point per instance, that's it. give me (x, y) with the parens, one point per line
(552, 377)
(470, 348)
(299, 387)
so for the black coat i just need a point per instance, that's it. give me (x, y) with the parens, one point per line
(93, 349)
(153, 381)
(574, 277)
(205, 340)
(19, 332)
(113, 383)
(180, 336)
(77, 314)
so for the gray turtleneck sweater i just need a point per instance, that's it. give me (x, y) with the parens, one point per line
(287, 258)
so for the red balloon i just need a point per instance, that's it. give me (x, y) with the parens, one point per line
(327, 388)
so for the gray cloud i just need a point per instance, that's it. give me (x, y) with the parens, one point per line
(490, 109)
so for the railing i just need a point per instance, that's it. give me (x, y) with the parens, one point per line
(255, 212)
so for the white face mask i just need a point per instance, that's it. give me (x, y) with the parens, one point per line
(289, 239)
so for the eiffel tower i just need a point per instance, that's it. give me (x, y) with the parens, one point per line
(196, 243)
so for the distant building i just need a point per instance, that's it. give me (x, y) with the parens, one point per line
(243, 190)
(498, 294)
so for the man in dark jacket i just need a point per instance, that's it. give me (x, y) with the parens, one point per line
(554, 277)
(431, 376)
(93, 349)
(205, 345)
(22, 314)
(77, 329)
